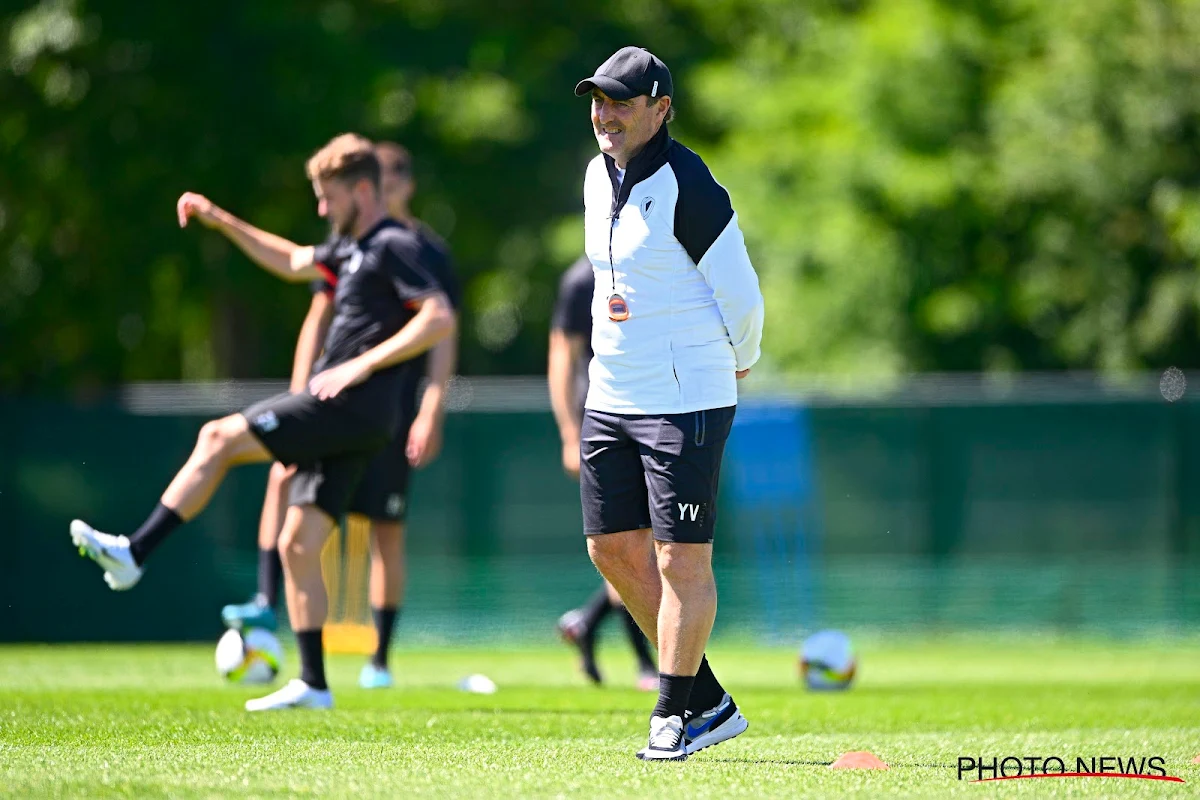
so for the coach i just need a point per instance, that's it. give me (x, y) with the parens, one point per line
(677, 318)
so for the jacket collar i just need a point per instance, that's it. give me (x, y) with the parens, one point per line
(640, 167)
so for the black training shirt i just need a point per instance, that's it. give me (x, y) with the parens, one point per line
(573, 315)
(380, 280)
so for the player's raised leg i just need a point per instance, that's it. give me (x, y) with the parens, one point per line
(222, 444)
(304, 533)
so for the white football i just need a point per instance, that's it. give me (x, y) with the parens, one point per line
(250, 656)
(827, 661)
(477, 684)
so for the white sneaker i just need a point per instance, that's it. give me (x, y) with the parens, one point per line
(121, 572)
(666, 740)
(296, 694)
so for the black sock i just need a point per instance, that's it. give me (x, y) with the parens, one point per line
(637, 639)
(154, 531)
(312, 658)
(385, 622)
(595, 610)
(270, 575)
(707, 691)
(673, 693)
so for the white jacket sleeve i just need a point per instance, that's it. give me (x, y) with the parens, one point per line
(727, 269)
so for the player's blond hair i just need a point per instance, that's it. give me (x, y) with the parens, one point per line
(348, 158)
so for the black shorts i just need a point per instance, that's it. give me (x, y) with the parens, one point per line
(329, 444)
(661, 472)
(383, 492)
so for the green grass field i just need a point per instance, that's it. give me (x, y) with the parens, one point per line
(154, 720)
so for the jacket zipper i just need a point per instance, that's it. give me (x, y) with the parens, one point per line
(612, 223)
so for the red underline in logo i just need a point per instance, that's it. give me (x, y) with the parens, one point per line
(1171, 778)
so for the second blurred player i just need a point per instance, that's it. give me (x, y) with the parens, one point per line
(567, 372)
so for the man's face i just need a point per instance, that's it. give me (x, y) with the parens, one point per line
(396, 189)
(623, 127)
(336, 202)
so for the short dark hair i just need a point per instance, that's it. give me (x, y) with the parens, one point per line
(394, 157)
(348, 158)
(670, 117)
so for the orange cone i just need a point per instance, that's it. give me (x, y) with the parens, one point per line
(858, 759)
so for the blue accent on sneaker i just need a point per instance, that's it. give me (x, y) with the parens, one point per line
(695, 730)
(373, 677)
(255, 614)
(719, 724)
(708, 718)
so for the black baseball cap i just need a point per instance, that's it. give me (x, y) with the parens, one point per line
(630, 72)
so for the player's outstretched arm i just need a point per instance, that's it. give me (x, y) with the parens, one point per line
(275, 254)
(425, 435)
(311, 338)
(434, 321)
(565, 349)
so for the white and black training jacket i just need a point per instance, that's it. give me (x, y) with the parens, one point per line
(668, 238)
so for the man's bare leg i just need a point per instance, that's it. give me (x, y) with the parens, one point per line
(259, 612)
(689, 605)
(669, 590)
(630, 561)
(222, 444)
(275, 506)
(627, 562)
(389, 577)
(579, 628)
(305, 530)
(270, 526)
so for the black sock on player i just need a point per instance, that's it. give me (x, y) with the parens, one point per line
(270, 575)
(154, 531)
(673, 694)
(638, 641)
(595, 610)
(385, 623)
(707, 692)
(312, 658)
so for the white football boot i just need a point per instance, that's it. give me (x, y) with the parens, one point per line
(296, 694)
(121, 572)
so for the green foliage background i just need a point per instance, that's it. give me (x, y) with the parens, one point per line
(924, 185)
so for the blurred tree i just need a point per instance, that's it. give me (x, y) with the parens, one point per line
(112, 108)
(925, 184)
(991, 184)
